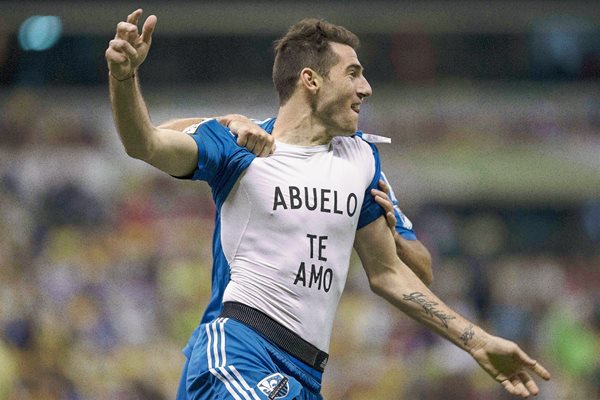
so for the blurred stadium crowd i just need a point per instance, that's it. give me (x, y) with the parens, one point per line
(105, 263)
(106, 268)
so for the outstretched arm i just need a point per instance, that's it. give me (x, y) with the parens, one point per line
(394, 281)
(169, 150)
(412, 252)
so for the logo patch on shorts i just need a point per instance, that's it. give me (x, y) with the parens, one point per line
(275, 386)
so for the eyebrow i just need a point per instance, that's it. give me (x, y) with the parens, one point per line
(355, 65)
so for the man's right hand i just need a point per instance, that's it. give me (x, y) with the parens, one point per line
(249, 134)
(128, 50)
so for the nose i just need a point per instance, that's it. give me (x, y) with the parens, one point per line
(364, 88)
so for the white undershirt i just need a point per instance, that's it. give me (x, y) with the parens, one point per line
(287, 259)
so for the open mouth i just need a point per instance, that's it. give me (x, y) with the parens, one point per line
(355, 107)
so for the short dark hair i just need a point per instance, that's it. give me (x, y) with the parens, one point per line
(306, 45)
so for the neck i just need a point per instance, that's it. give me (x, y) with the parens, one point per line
(296, 124)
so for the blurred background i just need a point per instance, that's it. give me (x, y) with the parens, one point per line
(494, 112)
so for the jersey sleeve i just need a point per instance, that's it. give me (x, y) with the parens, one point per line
(370, 210)
(404, 226)
(220, 160)
(266, 124)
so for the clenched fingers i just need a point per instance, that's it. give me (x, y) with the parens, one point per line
(251, 144)
(122, 46)
(384, 186)
(129, 30)
(259, 149)
(269, 145)
(257, 141)
(383, 200)
(126, 31)
(114, 56)
(119, 51)
(384, 195)
(268, 149)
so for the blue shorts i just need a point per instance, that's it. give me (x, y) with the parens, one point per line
(230, 360)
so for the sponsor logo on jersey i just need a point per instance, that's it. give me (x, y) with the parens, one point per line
(275, 386)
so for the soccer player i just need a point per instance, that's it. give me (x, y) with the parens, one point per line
(287, 223)
(253, 135)
(256, 137)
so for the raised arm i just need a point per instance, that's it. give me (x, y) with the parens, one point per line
(169, 150)
(249, 134)
(390, 278)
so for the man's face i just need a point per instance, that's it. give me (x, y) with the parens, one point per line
(342, 92)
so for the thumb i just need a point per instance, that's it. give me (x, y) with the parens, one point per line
(384, 186)
(148, 28)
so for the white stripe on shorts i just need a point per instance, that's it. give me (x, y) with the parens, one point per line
(216, 333)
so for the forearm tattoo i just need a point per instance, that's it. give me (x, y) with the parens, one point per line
(467, 335)
(428, 307)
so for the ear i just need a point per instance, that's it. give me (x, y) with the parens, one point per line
(311, 80)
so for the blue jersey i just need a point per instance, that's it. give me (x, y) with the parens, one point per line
(404, 226)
